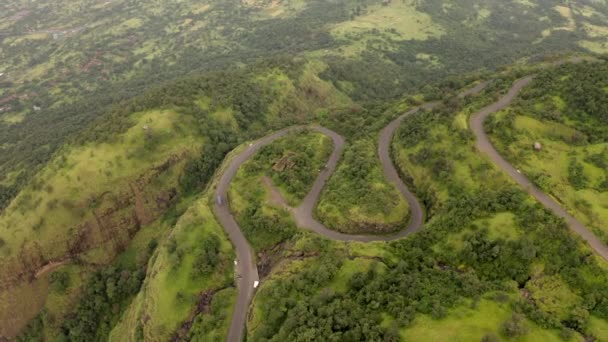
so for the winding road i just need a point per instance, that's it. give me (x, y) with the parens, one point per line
(303, 214)
(485, 146)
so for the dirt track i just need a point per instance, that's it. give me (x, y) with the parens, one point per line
(485, 146)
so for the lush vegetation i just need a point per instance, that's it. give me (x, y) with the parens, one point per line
(491, 263)
(136, 165)
(116, 115)
(564, 114)
(292, 163)
(66, 62)
(357, 199)
(278, 176)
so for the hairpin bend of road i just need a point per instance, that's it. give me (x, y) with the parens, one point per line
(246, 268)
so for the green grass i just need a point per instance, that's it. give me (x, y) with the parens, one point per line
(348, 269)
(598, 328)
(464, 323)
(500, 226)
(47, 211)
(171, 288)
(214, 325)
(553, 296)
(398, 21)
(549, 167)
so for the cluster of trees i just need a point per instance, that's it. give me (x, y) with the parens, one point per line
(207, 257)
(584, 95)
(421, 279)
(60, 281)
(304, 156)
(356, 184)
(103, 298)
(576, 175)
(265, 228)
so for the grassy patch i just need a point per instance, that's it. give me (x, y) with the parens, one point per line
(550, 168)
(554, 297)
(466, 323)
(174, 280)
(69, 190)
(399, 18)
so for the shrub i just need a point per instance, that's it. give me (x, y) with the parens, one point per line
(515, 326)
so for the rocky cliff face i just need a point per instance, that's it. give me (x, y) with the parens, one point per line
(113, 218)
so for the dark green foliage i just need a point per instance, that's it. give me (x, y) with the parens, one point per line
(104, 297)
(603, 186)
(599, 159)
(304, 159)
(265, 230)
(212, 320)
(207, 257)
(576, 175)
(282, 307)
(152, 246)
(329, 317)
(60, 281)
(34, 331)
(359, 121)
(584, 95)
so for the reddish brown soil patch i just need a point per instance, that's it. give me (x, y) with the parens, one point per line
(284, 163)
(50, 267)
(275, 196)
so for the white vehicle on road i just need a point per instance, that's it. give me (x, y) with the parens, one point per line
(255, 284)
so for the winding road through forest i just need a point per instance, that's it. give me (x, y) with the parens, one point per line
(485, 146)
(303, 214)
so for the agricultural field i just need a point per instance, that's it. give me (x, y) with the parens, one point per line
(560, 144)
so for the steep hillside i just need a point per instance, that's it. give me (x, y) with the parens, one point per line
(85, 207)
(557, 136)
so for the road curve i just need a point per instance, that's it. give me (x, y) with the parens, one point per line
(246, 268)
(303, 214)
(485, 146)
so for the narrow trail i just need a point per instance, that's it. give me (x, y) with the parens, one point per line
(485, 146)
(303, 214)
